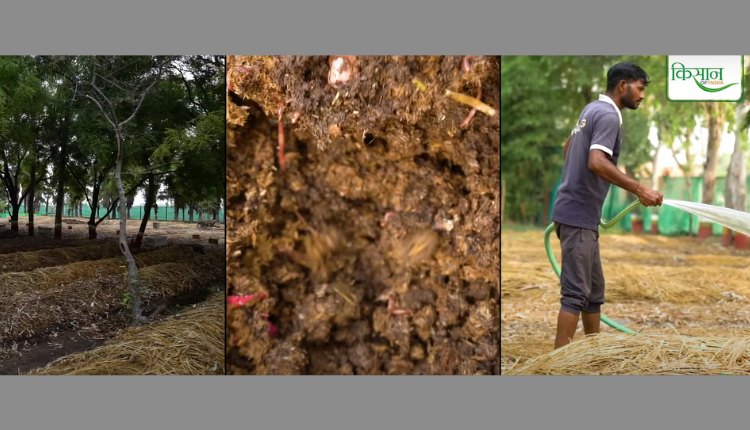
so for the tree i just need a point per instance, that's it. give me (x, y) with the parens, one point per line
(114, 107)
(715, 112)
(735, 195)
(532, 134)
(21, 102)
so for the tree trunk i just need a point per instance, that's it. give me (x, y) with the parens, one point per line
(131, 201)
(655, 168)
(11, 187)
(15, 210)
(132, 278)
(61, 184)
(150, 199)
(94, 210)
(32, 193)
(735, 196)
(190, 211)
(715, 128)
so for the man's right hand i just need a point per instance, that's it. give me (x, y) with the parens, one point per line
(649, 197)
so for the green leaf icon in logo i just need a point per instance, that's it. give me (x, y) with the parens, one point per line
(712, 90)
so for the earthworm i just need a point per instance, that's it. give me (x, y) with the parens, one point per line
(241, 300)
(467, 65)
(467, 68)
(392, 311)
(474, 110)
(272, 329)
(388, 216)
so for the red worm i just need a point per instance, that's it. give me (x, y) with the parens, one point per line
(272, 329)
(241, 300)
(467, 67)
(230, 86)
(466, 64)
(473, 111)
(392, 311)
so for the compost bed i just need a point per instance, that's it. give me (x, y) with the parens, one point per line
(375, 250)
(41, 321)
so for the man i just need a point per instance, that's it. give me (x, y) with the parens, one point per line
(591, 154)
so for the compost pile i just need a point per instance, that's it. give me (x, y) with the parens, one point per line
(189, 343)
(368, 243)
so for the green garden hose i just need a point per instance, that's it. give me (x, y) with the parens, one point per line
(556, 267)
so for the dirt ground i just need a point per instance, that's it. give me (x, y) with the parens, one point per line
(176, 232)
(87, 329)
(372, 238)
(654, 285)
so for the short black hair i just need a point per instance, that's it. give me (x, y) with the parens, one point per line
(625, 71)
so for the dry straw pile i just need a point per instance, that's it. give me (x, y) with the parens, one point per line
(191, 343)
(26, 261)
(623, 354)
(50, 277)
(31, 312)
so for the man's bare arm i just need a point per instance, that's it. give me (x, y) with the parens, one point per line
(600, 164)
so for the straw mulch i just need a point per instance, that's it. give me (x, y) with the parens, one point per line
(636, 268)
(50, 277)
(31, 312)
(622, 354)
(26, 261)
(191, 343)
(172, 279)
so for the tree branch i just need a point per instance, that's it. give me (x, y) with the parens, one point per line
(114, 203)
(85, 192)
(140, 103)
(108, 81)
(26, 193)
(106, 99)
(102, 109)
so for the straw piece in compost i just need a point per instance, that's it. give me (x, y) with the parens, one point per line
(26, 261)
(623, 354)
(191, 343)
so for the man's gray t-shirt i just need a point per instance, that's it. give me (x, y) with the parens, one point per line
(582, 192)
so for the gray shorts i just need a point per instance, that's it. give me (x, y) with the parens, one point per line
(582, 279)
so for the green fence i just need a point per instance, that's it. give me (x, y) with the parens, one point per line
(136, 212)
(671, 221)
